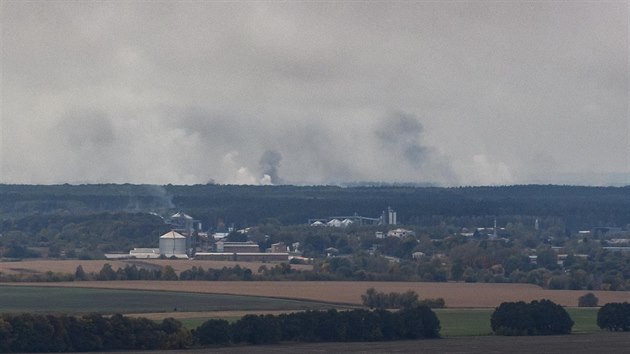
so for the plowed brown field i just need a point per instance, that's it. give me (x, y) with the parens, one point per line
(468, 295)
(70, 266)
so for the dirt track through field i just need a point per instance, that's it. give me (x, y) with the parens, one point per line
(463, 295)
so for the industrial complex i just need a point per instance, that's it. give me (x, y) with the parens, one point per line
(186, 237)
(186, 240)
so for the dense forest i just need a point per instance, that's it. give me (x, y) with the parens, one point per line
(578, 207)
(552, 236)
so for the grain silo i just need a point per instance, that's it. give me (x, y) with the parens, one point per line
(173, 244)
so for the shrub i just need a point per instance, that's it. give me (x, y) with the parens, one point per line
(614, 317)
(437, 303)
(542, 317)
(588, 300)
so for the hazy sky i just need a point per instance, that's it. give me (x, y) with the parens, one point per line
(450, 93)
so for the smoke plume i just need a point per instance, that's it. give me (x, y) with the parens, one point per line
(269, 164)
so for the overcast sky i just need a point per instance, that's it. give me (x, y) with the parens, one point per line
(448, 93)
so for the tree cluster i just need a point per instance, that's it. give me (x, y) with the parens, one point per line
(49, 333)
(322, 326)
(614, 317)
(380, 300)
(542, 317)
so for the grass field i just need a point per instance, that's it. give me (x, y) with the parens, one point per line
(81, 300)
(476, 322)
(585, 319)
(464, 322)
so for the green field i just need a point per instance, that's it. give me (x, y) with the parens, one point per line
(469, 322)
(585, 319)
(476, 322)
(464, 322)
(14, 299)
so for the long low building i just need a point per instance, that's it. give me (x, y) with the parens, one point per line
(243, 256)
(237, 247)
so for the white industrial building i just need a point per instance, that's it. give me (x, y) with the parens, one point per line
(400, 233)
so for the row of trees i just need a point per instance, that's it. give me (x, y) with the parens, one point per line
(129, 272)
(323, 326)
(132, 272)
(49, 333)
(94, 332)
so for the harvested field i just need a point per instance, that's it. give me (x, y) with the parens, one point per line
(466, 295)
(70, 266)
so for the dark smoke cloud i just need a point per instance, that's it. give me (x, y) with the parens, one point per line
(269, 165)
(402, 134)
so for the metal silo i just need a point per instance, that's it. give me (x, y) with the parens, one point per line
(172, 244)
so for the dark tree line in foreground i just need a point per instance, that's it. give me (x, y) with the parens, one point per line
(94, 332)
(50, 333)
(417, 322)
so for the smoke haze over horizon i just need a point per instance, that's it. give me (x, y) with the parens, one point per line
(442, 93)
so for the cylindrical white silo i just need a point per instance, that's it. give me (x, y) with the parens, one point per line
(172, 243)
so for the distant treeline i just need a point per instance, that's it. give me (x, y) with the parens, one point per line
(282, 271)
(96, 333)
(578, 207)
(65, 233)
